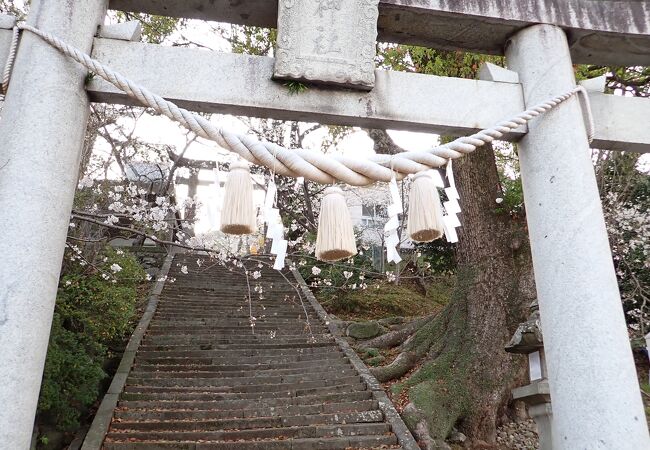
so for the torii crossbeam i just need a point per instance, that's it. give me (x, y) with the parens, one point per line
(596, 401)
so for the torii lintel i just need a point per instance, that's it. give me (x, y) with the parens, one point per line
(599, 31)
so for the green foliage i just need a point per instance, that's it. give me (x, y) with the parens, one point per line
(295, 87)
(155, 29)
(436, 257)
(434, 62)
(358, 266)
(513, 195)
(382, 299)
(89, 77)
(633, 80)
(371, 352)
(251, 40)
(95, 309)
(72, 376)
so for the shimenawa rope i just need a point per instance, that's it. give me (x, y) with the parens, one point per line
(300, 162)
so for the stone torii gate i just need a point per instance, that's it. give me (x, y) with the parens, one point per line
(596, 400)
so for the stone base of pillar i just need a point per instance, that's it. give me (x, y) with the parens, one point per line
(542, 414)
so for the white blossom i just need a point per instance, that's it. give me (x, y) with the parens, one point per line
(85, 182)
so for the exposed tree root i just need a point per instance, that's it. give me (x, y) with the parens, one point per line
(396, 337)
(404, 362)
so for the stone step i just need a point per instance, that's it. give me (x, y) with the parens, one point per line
(248, 403)
(233, 346)
(299, 328)
(273, 384)
(219, 302)
(241, 353)
(254, 434)
(242, 339)
(203, 378)
(323, 358)
(283, 374)
(211, 314)
(239, 317)
(231, 304)
(337, 443)
(206, 393)
(308, 366)
(294, 322)
(256, 411)
(372, 416)
(229, 332)
(190, 291)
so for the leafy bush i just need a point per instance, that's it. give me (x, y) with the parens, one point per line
(95, 309)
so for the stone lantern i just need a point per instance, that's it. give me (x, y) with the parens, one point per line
(528, 340)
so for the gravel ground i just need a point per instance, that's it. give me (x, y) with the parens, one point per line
(518, 436)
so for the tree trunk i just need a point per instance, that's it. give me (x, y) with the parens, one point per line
(466, 377)
(501, 288)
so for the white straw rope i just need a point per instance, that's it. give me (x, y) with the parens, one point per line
(6, 74)
(299, 162)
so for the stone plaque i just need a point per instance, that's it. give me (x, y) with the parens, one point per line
(327, 41)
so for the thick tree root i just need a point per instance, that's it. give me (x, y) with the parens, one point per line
(396, 337)
(418, 424)
(404, 362)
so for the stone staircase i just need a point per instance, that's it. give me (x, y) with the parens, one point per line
(202, 378)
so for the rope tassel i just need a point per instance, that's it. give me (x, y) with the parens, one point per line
(425, 222)
(238, 214)
(335, 240)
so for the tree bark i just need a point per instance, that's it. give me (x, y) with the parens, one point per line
(501, 289)
(465, 376)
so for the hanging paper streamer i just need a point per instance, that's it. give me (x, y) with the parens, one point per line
(436, 176)
(452, 207)
(275, 229)
(390, 228)
(299, 182)
(214, 207)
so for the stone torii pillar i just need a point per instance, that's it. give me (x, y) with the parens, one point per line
(592, 377)
(41, 136)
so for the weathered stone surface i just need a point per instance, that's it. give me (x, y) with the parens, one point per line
(528, 336)
(126, 31)
(327, 41)
(5, 43)
(242, 85)
(492, 72)
(363, 330)
(7, 22)
(601, 32)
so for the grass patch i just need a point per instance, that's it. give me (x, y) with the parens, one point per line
(383, 299)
